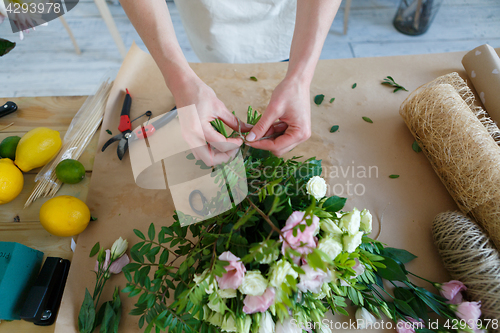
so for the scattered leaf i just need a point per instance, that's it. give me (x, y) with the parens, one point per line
(368, 120)
(93, 218)
(318, 99)
(334, 128)
(6, 46)
(109, 132)
(95, 250)
(354, 85)
(394, 176)
(331, 100)
(389, 81)
(416, 147)
(253, 78)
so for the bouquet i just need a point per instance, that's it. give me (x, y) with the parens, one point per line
(279, 260)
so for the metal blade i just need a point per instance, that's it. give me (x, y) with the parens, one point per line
(117, 137)
(122, 148)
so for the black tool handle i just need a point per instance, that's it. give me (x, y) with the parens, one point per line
(7, 108)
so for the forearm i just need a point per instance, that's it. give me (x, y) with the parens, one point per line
(152, 21)
(313, 21)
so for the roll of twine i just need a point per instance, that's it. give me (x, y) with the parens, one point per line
(461, 143)
(470, 256)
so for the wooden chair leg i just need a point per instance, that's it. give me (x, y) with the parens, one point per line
(346, 15)
(70, 33)
(110, 23)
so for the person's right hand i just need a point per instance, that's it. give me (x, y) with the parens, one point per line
(208, 108)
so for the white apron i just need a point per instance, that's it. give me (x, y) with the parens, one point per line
(239, 31)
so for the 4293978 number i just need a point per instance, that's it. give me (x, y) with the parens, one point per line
(33, 8)
(484, 323)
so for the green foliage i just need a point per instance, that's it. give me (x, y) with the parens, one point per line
(6, 46)
(173, 266)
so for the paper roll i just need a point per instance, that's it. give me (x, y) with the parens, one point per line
(459, 146)
(483, 67)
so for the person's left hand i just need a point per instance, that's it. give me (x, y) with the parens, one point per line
(290, 104)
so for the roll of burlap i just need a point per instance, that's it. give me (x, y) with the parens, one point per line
(470, 257)
(460, 142)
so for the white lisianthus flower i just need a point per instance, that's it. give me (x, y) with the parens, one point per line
(325, 329)
(227, 293)
(215, 319)
(366, 221)
(316, 186)
(287, 326)
(351, 243)
(266, 324)
(270, 257)
(215, 307)
(364, 319)
(243, 324)
(228, 324)
(351, 221)
(331, 247)
(330, 227)
(198, 279)
(254, 284)
(279, 271)
(118, 249)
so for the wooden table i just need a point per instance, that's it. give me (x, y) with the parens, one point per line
(22, 225)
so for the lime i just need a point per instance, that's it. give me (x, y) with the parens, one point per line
(70, 171)
(8, 147)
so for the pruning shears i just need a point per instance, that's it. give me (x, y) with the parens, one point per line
(125, 127)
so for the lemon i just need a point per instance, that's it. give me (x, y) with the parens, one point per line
(70, 171)
(11, 181)
(64, 216)
(37, 148)
(8, 147)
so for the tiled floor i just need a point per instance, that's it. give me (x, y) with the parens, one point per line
(45, 62)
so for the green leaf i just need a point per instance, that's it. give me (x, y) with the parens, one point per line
(405, 308)
(151, 231)
(332, 99)
(354, 85)
(399, 254)
(334, 128)
(87, 314)
(190, 156)
(393, 176)
(392, 271)
(253, 78)
(139, 234)
(108, 319)
(334, 204)
(109, 132)
(92, 218)
(389, 81)
(416, 148)
(318, 99)
(243, 219)
(368, 120)
(6, 46)
(95, 250)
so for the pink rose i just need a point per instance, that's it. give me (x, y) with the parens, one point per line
(118, 264)
(470, 312)
(409, 325)
(261, 303)
(358, 268)
(313, 279)
(452, 291)
(235, 272)
(305, 241)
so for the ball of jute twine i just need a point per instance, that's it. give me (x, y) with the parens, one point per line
(470, 256)
(461, 143)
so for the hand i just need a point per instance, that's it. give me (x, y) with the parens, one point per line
(290, 103)
(208, 108)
